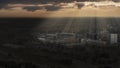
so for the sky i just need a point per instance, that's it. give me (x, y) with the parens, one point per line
(23, 8)
(26, 10)
(14, 8)
(4, 3)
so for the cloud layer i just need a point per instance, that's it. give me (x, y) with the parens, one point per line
(4, 3)
(32, 8)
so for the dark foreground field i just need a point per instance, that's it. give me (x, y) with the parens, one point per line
(58, 56)
(19, 48)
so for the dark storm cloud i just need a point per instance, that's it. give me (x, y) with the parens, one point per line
(3, 6)
(3, 3)
(32, 8)
(40, 1)
(30, 1)
(52, 8)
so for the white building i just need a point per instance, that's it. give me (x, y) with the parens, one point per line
(113, 38)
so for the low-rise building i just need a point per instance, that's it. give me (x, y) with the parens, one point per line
(59, 38)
